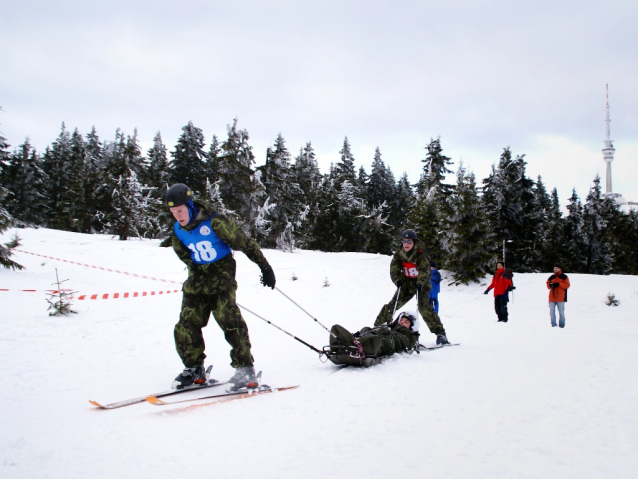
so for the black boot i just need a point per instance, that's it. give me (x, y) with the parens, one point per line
(190, 376)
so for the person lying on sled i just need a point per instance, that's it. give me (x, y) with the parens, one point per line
(401, 335)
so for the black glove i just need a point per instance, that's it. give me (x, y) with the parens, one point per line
(511, 288)
(486, 291)
(399, 282)
(268, 277)
(553, 285)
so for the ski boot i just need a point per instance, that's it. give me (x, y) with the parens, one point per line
(190, 376)
(245, 378)
(441, 340)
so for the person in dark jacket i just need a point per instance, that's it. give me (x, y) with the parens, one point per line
(558, 284)
(435, 281)
(501, 286)
(410, 273)
(376, 342)
(204, 241)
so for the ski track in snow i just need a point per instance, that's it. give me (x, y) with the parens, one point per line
(520, 399)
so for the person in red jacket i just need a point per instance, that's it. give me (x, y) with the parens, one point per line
(558, 284)
(501, 286)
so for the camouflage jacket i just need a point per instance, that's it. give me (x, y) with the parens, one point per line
(384, 341)
(219, 276)
(415, 256)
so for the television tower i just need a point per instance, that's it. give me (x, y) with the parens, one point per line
(608, 151)
(608, 156)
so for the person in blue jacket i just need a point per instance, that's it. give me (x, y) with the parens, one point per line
(435, 281)
(205, 240)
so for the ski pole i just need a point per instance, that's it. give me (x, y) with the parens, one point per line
(417, 346)
(395, 303)
(315, 319)
(281, 329)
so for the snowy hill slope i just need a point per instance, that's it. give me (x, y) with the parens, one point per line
(520, 399)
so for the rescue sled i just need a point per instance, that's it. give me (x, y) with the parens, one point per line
(350, 356)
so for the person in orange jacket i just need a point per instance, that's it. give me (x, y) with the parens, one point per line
(558, 284)
(501, 286)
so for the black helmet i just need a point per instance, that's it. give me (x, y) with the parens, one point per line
(409, 317)
(409, 234)
(177, 195)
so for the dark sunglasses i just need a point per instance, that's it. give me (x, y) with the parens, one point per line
(407, 241)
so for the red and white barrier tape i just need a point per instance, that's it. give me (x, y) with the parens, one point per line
(123, 295)
(99, 267)
(83, 297)
(48, 291)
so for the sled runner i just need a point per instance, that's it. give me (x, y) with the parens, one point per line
(350, 356)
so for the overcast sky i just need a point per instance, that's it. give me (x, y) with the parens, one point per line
(482, 75)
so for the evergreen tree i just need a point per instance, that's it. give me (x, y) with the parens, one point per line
(131, 209)
(539, 216)
(363, 179)
(402, 204)
(344, 169)
(349, 209)
(93, 178)
(58, 173)
(624, 231)
(351, 212)
(116, 166)
(81, 212)
(284, 196)
(306, 170)
(508, 198)
(240, 189)
(25, 179)
(550, 239)
(323, 216)
(116, 160)
(379, 192)
(308, 177)
(377, 233)
(212, 195)
(432, 202)
(575, 251)
(156, 172)
(94, 154)
(6, 222)
(133, 153)
(466, 232)
(4, 157)
(156, 176)
(189, 159)
(599, 255)
(212, 160)
(381, 186)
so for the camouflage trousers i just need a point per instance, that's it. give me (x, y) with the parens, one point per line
(407, 292)
(196, 311)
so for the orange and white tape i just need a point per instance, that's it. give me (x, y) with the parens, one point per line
(99, 267)
(83, 297)
(48, 291)
(95, 296)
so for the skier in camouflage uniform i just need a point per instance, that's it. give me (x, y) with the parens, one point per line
(204, 240)
(410, 272)
(379, 341)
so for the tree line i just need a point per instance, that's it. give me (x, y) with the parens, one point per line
(83, 184)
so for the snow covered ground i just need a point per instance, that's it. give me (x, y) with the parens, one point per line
(519, 400)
